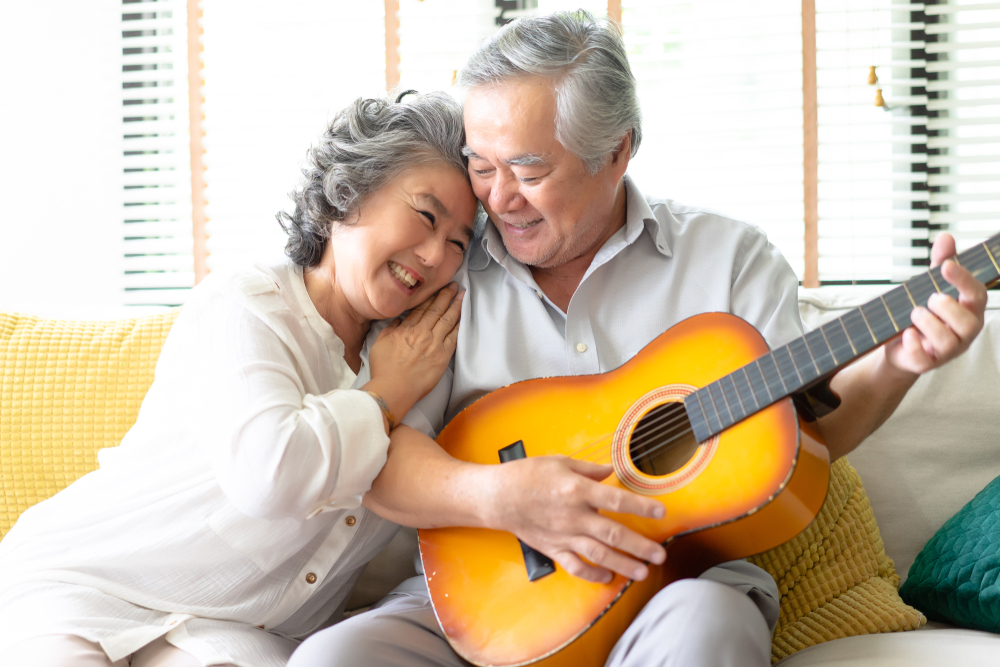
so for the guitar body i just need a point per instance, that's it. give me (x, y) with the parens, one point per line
(743, 492)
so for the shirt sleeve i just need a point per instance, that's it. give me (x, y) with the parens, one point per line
(765, 289)
(279, 451)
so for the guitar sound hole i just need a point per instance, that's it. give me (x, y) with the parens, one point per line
(662, 441)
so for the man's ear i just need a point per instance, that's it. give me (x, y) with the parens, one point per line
(622, 153)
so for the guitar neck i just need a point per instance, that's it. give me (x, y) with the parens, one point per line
(822, 352)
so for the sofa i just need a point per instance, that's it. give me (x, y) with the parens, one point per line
(69, 388)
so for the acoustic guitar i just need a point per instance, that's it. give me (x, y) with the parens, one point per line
(706, 419)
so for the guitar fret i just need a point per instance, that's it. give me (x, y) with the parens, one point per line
(979, 263)
(898, 305)
(868, 326)
(819, 351)
(909, 294)
(744, 377)
(992, 258)
(708, 416)
(785, 362)
(893, 319)
(931, 276)
(921, 287)
(847, 335)
(948, 288)
(757, 381)
(732, 397)
(826, 340)
(805, 365)
(777, 391)
(840, 344)
(716, 394)
(879, 320)
(858, 332)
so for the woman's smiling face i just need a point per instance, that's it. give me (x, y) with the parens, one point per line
(406, 242)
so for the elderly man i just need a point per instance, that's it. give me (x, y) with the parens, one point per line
(576, 272)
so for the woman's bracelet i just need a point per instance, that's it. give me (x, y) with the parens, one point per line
(384, 407)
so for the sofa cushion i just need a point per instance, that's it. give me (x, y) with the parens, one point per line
(934, 645)
(956, 576)
(940, 447)
(834, 578)
(67, 390)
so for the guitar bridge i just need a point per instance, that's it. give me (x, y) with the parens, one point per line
(538, 564)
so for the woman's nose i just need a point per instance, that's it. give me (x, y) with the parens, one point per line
(431, 251)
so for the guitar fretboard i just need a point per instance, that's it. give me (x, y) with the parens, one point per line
(821, 352)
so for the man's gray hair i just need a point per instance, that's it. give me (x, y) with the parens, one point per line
(585, 58)
(368, 144)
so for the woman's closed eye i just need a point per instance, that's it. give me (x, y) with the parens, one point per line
(430, 217)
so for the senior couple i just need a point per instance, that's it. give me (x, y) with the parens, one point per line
(282, 441)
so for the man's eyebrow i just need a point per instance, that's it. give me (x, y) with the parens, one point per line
(524, 160)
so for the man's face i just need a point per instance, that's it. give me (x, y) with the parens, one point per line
(547, 206)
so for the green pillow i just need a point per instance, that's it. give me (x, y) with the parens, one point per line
(956, 576)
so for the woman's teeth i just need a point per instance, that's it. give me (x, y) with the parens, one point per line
(404, 276)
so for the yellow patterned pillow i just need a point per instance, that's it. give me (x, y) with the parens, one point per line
(835, 578)
(67, 390)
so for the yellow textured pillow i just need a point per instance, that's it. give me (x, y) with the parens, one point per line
(835, 578)
(67, 390)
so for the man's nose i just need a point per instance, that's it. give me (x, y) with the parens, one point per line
(505, 194)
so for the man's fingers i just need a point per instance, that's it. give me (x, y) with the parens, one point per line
(611, 499)
(934, 330)
(595, 471)
(575, 565)
(613, 534)
(943, 248)
(605, 557)
(971, 292)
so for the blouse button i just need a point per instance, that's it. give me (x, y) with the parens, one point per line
(310, 578)
(581, 347)
(350, 521)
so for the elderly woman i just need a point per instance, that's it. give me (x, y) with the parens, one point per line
(228, 524)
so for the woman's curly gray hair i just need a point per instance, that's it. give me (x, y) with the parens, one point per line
(367, 145)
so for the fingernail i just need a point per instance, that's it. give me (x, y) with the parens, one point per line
(461, 295)
(659, 557)
(658, 512)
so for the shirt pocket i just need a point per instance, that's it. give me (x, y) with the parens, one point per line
(267, 542)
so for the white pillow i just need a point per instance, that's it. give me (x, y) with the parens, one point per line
(940, 447)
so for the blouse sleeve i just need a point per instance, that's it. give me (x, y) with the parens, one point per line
(279, 451)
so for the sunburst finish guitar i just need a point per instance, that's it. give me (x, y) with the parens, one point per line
(701, 419)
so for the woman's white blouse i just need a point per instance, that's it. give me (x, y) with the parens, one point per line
(229, 519)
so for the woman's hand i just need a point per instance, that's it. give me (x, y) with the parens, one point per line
(410, 356)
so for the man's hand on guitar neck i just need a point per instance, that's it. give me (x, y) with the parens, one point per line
(550, 502)
(872, 387)
(947, 327)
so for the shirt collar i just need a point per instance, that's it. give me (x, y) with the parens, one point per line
(638, 216)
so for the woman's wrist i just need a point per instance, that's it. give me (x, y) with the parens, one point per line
(394, 400)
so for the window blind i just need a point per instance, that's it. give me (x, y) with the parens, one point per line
(275, 75)
(963, 87)
(720, 84)
(156, 172)
(891, 177)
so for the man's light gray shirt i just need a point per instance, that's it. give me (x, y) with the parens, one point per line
(668, 263)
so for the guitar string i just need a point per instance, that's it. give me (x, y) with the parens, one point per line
(649, 436)
(644, 429)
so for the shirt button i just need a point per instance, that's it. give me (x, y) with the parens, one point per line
(310, 578)
(581, 347)
(350, 521)
(539, 294)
